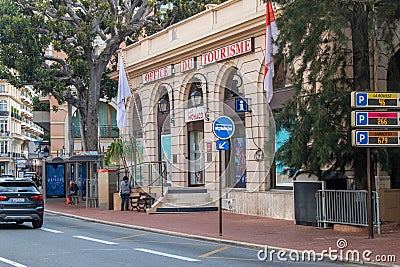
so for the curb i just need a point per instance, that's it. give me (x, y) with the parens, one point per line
(216, 240)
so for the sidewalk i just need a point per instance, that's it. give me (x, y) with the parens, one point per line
(243, 228)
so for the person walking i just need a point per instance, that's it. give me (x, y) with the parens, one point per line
(125, 191)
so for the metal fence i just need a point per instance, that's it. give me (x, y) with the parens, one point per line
(149, 174)
(346, 207)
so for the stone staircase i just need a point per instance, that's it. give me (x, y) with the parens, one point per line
(180, 200)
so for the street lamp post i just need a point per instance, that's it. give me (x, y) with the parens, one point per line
(164, 108)
(162, 105)
(196, 97)
(199, 84)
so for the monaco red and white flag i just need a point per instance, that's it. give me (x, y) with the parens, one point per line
(124, 92)
(270, 50)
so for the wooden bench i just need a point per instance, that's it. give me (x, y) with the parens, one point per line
(141, 202)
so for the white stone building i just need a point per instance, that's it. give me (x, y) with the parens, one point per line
(217, 54)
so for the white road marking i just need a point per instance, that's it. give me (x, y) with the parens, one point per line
(13, 263)
(165, 254)
(52, 231)
(95, 240)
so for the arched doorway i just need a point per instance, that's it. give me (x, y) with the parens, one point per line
(195, 134)
(235, 157)
(164, 124)
(134, 155)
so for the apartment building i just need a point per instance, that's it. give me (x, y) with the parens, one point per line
(17, 130)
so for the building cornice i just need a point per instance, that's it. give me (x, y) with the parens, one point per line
(169, 51)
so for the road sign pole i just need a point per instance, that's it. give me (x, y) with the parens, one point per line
(369, 196)
(220, 192)
(223, 128)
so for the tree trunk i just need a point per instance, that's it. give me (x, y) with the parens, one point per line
(82, 128)
(361, 72)
(92, 119)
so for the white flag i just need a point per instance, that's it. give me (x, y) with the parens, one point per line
(124, 92)
(270, 49)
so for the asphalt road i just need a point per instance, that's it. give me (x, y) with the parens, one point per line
(66, 241)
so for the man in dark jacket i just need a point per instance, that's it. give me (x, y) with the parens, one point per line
(73, 191)
(125, 191)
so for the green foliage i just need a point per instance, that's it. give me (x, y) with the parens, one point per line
(64, 48)
(39, 106)
(328, 42)
(84, 37)
(126, 150)
(114, 153)
(178, 10)
(46, 136)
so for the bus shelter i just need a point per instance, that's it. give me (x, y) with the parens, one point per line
(81, 169)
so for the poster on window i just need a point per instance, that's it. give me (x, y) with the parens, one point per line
(55, 180)
(282, 176)
(166, 153)
(239, 149)
(82, 177)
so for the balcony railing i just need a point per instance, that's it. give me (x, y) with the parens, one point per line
(15, 115)
(109, 131)
(106, 131)
(4, 133)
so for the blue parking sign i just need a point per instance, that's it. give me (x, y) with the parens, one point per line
(362, 138)
(361, 118)
(361, 99)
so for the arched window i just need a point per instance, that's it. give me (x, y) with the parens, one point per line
(107, 122)
(137, 117)
(3, 105)
(196, 135)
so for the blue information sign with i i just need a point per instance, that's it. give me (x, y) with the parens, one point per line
(241, 104)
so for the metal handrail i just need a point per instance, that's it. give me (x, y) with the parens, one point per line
(161, 170)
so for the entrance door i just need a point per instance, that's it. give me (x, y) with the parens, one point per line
(196, 160)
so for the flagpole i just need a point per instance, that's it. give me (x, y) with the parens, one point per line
(130, 87)
(271, 33)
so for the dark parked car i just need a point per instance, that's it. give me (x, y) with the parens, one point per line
(21, 201)
(7, 175)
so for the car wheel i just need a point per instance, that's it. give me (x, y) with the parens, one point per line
(38, 223)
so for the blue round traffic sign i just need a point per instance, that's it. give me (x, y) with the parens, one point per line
(223, 127)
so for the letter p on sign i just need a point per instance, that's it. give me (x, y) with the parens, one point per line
(361, 99)
(362, 138)
(362, 118)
